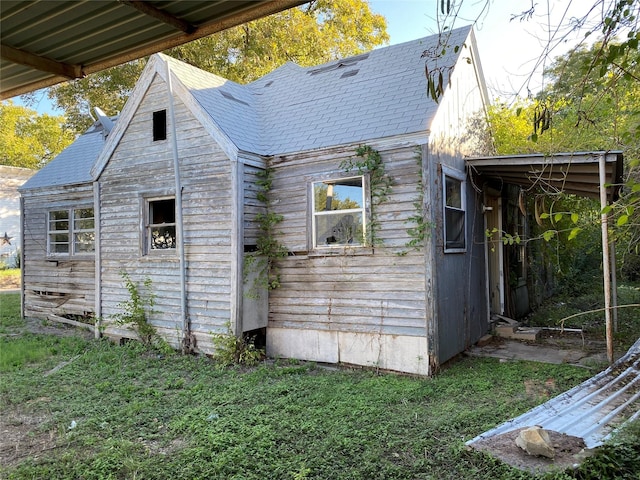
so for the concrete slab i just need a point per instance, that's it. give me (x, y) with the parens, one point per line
(508, 350)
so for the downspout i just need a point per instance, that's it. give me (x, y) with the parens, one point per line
(98, 261)
(606, 262)
(187, 344)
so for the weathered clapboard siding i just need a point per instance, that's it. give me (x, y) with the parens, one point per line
(460, 278)
(138, 167)
(364, 290)
(252, 206)
(59, 285)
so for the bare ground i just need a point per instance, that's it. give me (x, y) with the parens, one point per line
(569, 451)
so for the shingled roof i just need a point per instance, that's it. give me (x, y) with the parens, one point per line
(382, 93)
(377, 94)
(73, 165)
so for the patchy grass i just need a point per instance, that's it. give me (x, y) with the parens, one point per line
(10, 311)
(124, 412)
(555, 311)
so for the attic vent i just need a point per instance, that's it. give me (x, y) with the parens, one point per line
(231, 97)
(350, 73)
(347, 62)
(159, 125)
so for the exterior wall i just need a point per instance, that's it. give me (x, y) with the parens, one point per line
(458, 131)
(363, 305)
(60, 286)
(10, 179)
(138, 167)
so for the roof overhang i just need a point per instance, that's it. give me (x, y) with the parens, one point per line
(48, 42)
(572, 173)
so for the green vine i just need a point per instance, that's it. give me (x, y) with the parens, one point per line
(421, 228)
(268, 249)
(369, 162)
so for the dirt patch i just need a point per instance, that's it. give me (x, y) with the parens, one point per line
(569, 451)
(10, 282)
(22, 436)
(45, 327)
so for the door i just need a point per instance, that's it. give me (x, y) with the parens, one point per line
(494, 252)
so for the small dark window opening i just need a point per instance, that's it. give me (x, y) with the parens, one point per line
(160, 125)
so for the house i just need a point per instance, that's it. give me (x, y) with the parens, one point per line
(10, 179)
(352, 168)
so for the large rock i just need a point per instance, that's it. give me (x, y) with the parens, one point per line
(535, 441)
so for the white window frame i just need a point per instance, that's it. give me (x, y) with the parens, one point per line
(460, 176)
(363, 211)
(148, 227)
(72, 231)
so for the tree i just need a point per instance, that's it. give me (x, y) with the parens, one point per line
(314, 33)
(30, 140)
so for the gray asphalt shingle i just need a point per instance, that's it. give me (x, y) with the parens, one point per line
(378, 94)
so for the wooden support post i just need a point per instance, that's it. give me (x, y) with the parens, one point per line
(606, 262)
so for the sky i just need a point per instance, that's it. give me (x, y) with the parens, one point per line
(509, 49)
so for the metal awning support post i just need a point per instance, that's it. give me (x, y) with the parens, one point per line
(606, 262)
(614, 287)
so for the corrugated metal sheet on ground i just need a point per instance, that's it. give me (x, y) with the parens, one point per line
(591, 410)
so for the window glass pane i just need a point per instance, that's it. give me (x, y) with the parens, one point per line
(59, 220)
(163, 237)
(339, 229)
(454, 222)
(59, 225)
(84, 224)
(59, 247)
(59, 238)
(83, 213)
(453, 192)
(59, 215)
(84, 242)
(338, 195)
(162, 211)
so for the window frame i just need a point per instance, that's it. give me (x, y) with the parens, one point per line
(365, 211)
(146, 234)
(71, 231)
(459, 176)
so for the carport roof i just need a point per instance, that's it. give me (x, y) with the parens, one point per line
(48, 42)
(574, 173)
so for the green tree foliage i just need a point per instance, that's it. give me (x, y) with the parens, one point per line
(311, 34)
(30, 140)
(586, 109)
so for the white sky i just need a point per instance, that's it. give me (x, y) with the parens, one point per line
(509, 50)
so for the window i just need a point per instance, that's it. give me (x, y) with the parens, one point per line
(339, 217)
(160, 224)
(159, 125)
(454, 211)
(71, 232)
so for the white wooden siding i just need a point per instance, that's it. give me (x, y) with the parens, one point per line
(364, 290)
(139, 167)
(62, 285)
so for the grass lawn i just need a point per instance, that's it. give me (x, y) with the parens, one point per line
(122, 412)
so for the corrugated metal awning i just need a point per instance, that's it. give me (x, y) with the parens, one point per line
(574, 173)
(48, 42)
